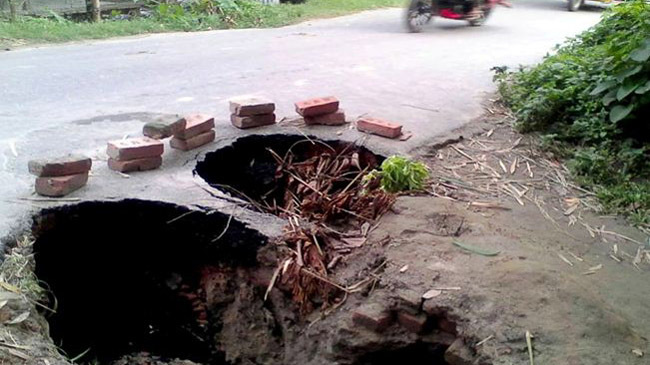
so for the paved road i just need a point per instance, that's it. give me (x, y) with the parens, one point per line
(74, 97)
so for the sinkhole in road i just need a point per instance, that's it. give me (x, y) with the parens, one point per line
(142, 277)
(248, 168)
(143, 282)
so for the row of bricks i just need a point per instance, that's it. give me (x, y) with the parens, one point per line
(376, 318)
(141, 154)
(58, 177)
(62, 175)
(251, 112)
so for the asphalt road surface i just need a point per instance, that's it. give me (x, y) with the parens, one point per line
(74, 97)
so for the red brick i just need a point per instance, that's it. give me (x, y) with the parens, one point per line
(336, 118)
(195, 124)
(60, 166)
(194, 142)
(252, 121)
(373, 316)
(247, 106)
(317, 106)
(134, 148)
(379, 127)
(140, 164)
(60, 185)
(163, 128)
(415, 323)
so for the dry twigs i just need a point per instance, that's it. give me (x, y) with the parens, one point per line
(524, 175)
(321, 189)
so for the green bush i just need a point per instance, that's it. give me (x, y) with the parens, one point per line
(212, 14)
(593, 94)
(399, 174)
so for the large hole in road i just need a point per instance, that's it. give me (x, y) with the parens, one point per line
(150, 283)
(139, 277)
(248, 170)
(142, 282)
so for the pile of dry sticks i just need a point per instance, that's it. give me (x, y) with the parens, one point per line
(330, 209)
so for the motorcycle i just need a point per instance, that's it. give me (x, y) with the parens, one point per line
(420, 12)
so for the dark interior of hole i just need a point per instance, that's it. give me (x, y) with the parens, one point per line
(121, 273)
(247, 169)
(419, 353)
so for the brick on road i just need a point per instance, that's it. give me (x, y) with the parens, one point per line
(379, 127)
(195, 124)
(134, 148)
(336, 118)
(247, 106)
(317, 106)
(164, 127)
(60, 166)
(252, 121)
(140, 164)
(194, 142)
(58, 186)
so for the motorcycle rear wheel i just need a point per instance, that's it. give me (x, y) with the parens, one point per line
(418, 14)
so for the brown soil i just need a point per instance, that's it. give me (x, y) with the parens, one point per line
(577, 281)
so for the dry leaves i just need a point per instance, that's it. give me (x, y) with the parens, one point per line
(329, 211)
(592, 270)
(19, 318)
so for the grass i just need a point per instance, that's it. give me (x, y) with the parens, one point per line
(587, 100)
(17, 272)
(244, 14)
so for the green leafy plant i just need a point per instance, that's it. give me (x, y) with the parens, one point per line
(590, 100)
(399, 174)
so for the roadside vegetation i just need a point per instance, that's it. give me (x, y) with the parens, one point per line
(195, 15)
(590, 100)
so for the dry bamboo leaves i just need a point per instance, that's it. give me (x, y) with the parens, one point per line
(476, 250)
(324, 189)
(568, 262)
(326, 185)
(19, 318)
(592, 270)
(529, 345)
